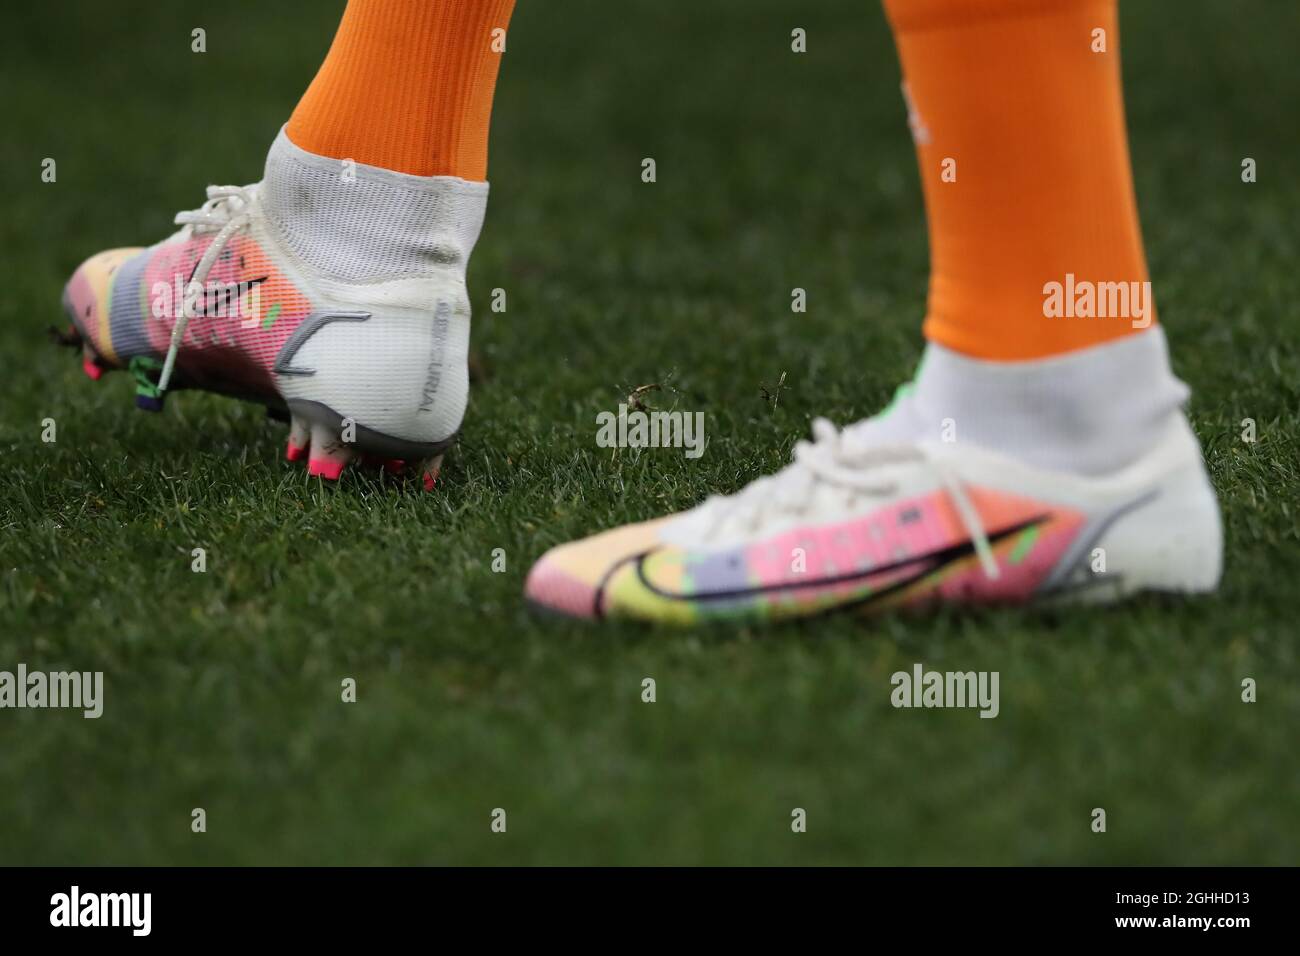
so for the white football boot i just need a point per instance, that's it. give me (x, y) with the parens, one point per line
(981, 484)
(332, 292)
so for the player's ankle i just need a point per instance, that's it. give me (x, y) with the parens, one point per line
(1089, 411)
(354, 223)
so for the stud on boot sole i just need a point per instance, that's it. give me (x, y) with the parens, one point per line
(329, 454)
(299, 444)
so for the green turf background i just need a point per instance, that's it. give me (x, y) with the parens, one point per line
(774, 171)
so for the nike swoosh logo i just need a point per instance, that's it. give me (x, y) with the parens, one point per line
(927, 564)
(222, 298)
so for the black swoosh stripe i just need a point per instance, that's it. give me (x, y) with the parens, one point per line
(225, 295)
(599, 597)
(933, 560)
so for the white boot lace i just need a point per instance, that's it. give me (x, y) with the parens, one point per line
(831, 459)
(227, 210)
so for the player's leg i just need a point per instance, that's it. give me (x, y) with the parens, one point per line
(407, 86)
(333, 290)
(1041, 450)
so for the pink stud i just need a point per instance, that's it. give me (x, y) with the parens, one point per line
(91, 369)
(294, 452)
(326, 468)
(430, 470)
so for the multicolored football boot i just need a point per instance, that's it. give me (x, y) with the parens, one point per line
(331, 292)
(853, 523)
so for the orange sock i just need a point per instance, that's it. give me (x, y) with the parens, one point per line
(1024, 162)
(407, 86)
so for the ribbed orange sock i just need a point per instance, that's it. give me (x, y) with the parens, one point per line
(407, 86)
(1019, 123)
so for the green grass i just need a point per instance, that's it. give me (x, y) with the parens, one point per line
(774, 171)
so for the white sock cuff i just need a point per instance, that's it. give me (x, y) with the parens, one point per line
(1090, 411)
(359, 223)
